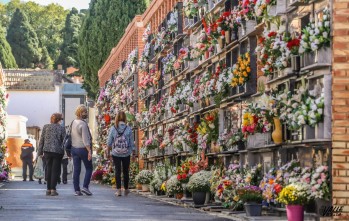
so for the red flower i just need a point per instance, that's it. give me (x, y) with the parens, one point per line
(277, 188)
(293, 43)
(223, 32)
(272, 34)
(226, 14)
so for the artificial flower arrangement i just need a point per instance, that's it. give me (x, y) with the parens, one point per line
(191, 138)
(317, 34)
(168, 63)
(229, 20)
(191, 7)
(209, 126)
(247, 9)
(241, 70)
(187, 169)
(320, 183)
(172, 22)
(211, 27)
(255, 120)
(185, 93)
(134, 170)
(205, 81)
(183, 55)
(146, 34)
(261, 7)
(273, 50)
(200, 182)
(303, 108)
(178, 140)
(162, 172)
(132, 59)
(143, 63)
(173, 186)
(222, 84)
(144, 177)
(151, 143)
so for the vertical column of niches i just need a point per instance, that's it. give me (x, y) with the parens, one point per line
(251, 84)
(231, 59)
(179, 11)
(244, 48)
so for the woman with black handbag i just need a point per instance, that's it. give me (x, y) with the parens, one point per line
(50, 146)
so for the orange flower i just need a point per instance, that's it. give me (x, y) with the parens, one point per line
(271, 181)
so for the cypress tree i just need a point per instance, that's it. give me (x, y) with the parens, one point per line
(24, 41)
(103, 27)
(6, 57)
(69, 48)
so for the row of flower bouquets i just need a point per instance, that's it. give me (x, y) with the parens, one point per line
(288, 184)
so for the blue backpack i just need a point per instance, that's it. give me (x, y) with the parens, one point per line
(120, 144)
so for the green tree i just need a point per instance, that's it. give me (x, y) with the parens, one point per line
(69, 48)
(46, 60)
(103, 27)
(6, 57)
(23, 40)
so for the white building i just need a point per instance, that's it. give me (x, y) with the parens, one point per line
(37, 94)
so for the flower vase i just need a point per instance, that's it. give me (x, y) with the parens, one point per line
(253, 209)
(220, 43)
(179, 196)
(145, 188)
(277, 133)
(207, 101)
(295, 212)
(207, 54)
(184, 186)
(227, 37)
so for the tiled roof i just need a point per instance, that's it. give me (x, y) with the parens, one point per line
(32, 80)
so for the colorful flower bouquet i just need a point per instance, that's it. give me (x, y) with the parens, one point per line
(172, 22)
(320, 183)
(173, 186)
(241, 70)
(255, 120)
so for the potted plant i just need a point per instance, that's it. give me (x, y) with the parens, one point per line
(252, 198)
(295, 196)
(144, 177)
(199, 185)
(173, 186)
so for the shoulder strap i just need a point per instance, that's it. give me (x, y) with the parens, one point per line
(117, 131)
(71, 124)
(89, 132)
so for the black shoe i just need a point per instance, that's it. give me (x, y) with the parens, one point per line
(24, 180)
(44, 182)
(65, 182)
(86, 191)
(59, 182)
(31, 180)
(78, 193)
(40, 182)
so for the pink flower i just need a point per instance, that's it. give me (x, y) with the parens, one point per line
(313, 189)
(323, 176)
(319, 181)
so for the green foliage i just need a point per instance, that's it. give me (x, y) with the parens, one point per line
(47, 22)
(101, 30)
(24, 41)
(6, 56)
(46, 60)
(69, 48)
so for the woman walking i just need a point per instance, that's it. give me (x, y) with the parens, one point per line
(50, 146)
(81, 150)
(121, 143)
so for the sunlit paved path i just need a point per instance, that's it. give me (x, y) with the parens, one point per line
(27, 201)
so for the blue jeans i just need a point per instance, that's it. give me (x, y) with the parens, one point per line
(81, 154)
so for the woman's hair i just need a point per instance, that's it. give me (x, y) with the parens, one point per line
(56, 117)
(120, 117)
(81, 108)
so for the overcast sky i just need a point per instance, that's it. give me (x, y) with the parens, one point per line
(68, 4)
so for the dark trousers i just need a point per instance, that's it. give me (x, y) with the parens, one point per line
(27, 163)
(65, 169)
(125, 161)
(81, 154)
(53, 164)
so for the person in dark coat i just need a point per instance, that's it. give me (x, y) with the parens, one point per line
(27, 150)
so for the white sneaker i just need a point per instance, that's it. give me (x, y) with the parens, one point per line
(118, 192)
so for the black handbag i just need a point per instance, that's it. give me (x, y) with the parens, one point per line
(67, 144)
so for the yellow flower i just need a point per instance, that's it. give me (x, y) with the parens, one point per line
(113, 181)
(236, 198)
(248, 69)
(244, 74)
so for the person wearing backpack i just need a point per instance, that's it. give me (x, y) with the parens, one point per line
(120, 142)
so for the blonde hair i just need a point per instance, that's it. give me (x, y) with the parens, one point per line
(120, 117)
(55, 118)
(81, 108)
